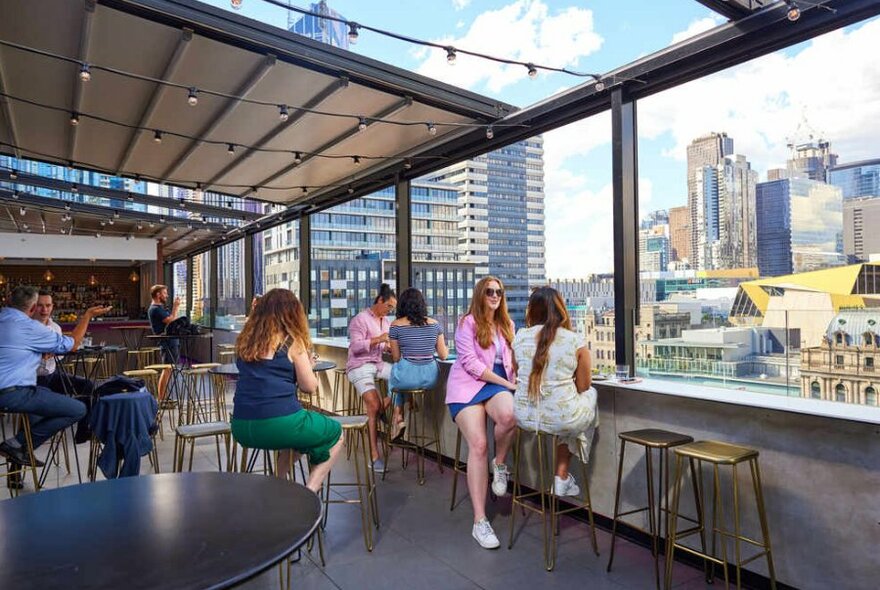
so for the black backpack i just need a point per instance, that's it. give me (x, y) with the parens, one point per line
(182, 327)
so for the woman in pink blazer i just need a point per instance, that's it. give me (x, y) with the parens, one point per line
(479, 384)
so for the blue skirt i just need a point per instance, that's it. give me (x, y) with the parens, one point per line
(486, 392)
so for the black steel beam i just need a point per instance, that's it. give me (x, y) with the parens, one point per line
(624, 169)
(729, 9)
(403, 222)
(305, 264)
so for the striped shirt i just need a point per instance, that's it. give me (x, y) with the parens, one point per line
(417, 343)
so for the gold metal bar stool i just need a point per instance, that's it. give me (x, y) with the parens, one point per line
(660, 440)
(167, 404)
(342, 388)
(416, 438)
(549, 509)
(189, 433)
(356, 432)
(15, 473)
(719, 454)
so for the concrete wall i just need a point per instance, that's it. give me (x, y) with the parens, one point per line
(821, 477)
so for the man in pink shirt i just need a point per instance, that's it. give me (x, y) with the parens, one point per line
(368, 337)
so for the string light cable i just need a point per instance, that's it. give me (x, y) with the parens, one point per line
(279, 109)
(451, 51)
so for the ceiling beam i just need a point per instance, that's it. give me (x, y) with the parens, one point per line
(294, 118)
(389, 112)
(117, 195)
(158, 92)
(6, 105)
(40, 203)
(257, 75)
(85, 40)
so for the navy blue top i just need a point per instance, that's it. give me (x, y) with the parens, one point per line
(157, 314)
(266, 388)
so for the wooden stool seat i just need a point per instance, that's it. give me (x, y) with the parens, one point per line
(655, 438)
(716, 452)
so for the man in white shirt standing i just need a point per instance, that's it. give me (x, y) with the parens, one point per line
(48, 375)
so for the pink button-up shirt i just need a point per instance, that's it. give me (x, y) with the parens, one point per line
(364, 327)
(471, 360)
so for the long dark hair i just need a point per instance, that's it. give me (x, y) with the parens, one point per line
(545, 307)
(385, 293)
(411, 305)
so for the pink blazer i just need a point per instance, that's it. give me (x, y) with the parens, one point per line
(471, 361)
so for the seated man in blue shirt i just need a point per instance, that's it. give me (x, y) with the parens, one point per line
(23, 342)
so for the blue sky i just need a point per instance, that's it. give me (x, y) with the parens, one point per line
(828, 87)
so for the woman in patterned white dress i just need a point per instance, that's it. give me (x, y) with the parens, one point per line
(553, 392)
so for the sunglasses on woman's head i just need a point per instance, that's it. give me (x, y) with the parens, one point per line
(490, 292)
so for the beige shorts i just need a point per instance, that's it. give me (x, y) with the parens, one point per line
(364, 377)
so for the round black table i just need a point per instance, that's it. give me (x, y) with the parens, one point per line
(230, 370)
(174, 530)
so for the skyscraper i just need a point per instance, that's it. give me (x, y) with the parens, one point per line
(857, 179)
(736, 213)
(501, 212)
(798, 224)
(327, 31)
(706, 151)
(679, 234)
(811, 160)
(861, 218)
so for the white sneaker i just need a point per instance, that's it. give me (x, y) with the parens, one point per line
(500, 476)
(379, 466)
(484, 535)
(565, 487)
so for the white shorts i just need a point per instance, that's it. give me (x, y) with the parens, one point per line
(364, 377)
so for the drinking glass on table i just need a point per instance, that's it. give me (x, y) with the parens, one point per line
(621, 373)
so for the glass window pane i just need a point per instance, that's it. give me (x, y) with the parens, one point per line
(231, 305)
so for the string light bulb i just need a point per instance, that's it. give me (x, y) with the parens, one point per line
(490, 133)
(794, 11)
(157, 136)
(230, 149)
(356, 160)
(193, 97)
(362, 123)
(283, 113)
(15, 195)
(48, 276)
(13, 175)
(74, 188)
(600, 85)
(450, 55)
(350, 190)
(353, 32)
(533, 71)
(432, 129)
(305, 190)
(297, 158)
(236, 4)
(85, 74)
(74, 119)
(407, 164)
(22, 211)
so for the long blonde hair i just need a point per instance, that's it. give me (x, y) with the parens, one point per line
(277, 319)
(480, 310)
(545, 307)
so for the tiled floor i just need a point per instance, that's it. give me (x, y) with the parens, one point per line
(421, 544)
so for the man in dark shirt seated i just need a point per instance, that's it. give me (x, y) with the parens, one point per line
(160, 317)
(23, 342)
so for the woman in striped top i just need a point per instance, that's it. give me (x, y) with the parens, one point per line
(414, 338)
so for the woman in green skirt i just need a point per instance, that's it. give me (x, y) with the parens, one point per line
(273, 362)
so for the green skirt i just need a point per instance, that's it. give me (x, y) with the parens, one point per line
(306, 432)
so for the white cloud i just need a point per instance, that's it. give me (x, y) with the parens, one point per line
(460, 4)
(523, 31)
(696, 27)
(833, 82)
